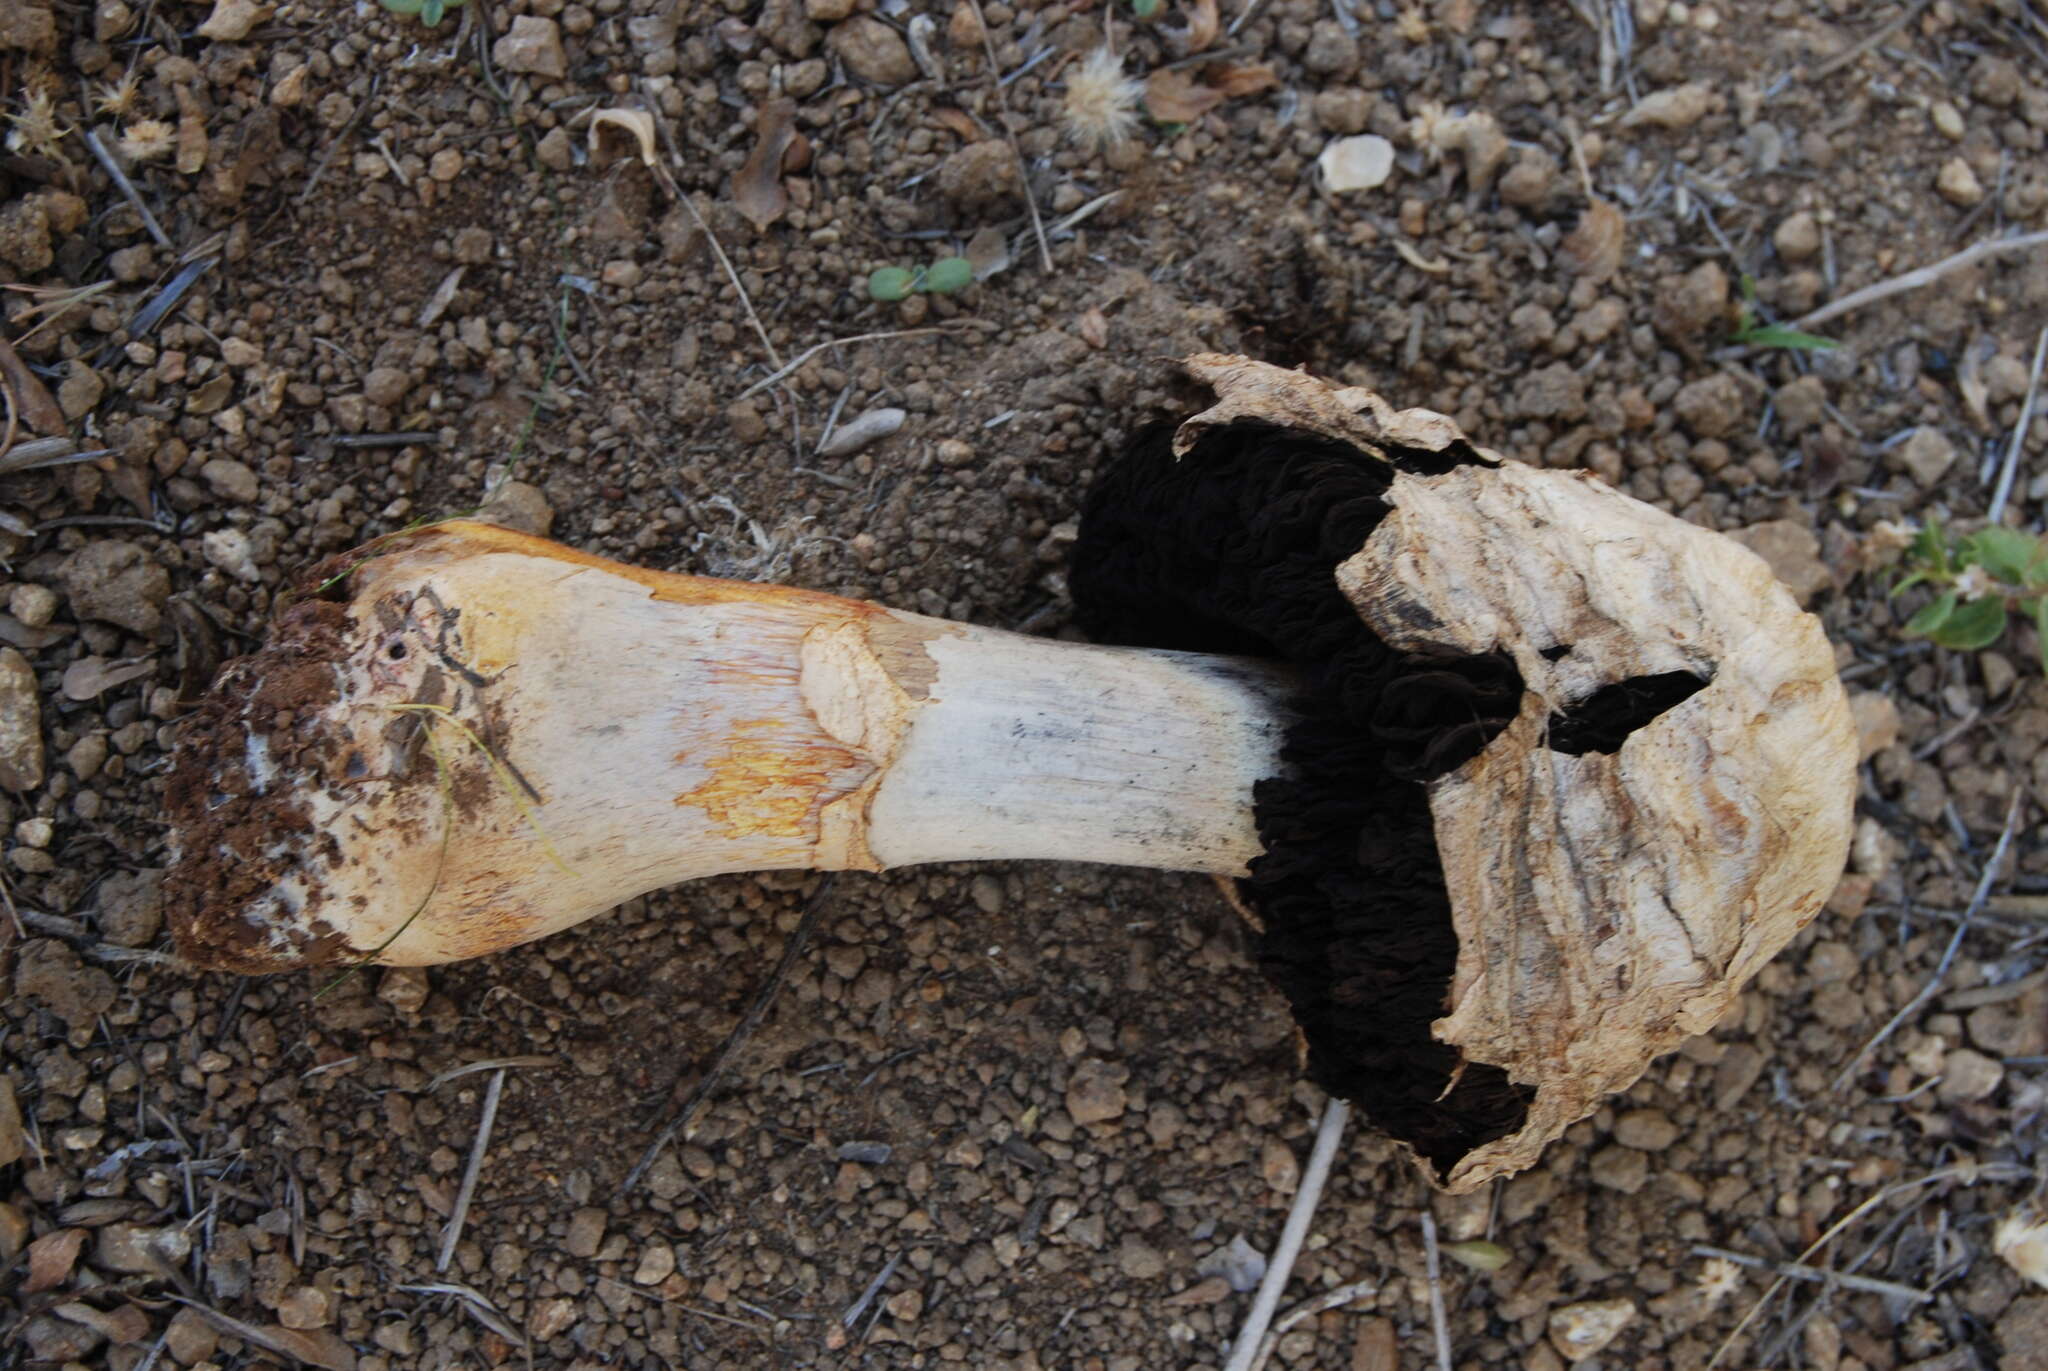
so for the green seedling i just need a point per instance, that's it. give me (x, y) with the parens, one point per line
(428, 11)
(1751, 330)
(1146, 9)
(943, 277)
(1980, 580)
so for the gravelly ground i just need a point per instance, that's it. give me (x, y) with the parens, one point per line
(399, 236)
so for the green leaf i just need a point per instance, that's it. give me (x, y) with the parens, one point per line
(1928, 546)
(1145, 9)
(891, 283)
(949, 274)
(2041, 628)
(1909, 580)
(1932, 616)
(1779, 336)
(2004, 552)
(430, 12)
(403, 6)
(1479, 1255)
(1977, 624)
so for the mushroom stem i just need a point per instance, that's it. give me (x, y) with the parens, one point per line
(471, 738)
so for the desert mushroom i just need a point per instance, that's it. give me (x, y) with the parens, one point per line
(1519, 779)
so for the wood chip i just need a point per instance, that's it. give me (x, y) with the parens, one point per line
(50, 1259)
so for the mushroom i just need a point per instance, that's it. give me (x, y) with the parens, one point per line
(1518, 779)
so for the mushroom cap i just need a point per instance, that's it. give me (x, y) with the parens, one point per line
(1610, 897)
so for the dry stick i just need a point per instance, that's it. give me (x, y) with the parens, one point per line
(1800, 1271)
(1308, 1309)
(126, 187)
(1922, 276)
(452, 1234)
(675, 193)
(1436, 1294)
(1292, 1234)
(783, 372)
(751, 1020)
(1967, 1172)
(2019, 432)
(1927, 991)
(988, 45)
(1844, 58)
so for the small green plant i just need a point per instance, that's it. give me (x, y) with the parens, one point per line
(1751, 330)
(943, 277)
(1980, 579)
(429, 11)
(1146, 9)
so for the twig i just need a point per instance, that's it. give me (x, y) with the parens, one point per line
(1968, 1172)
(675, 193)
(1251, 7)
(125, 186)
(1292, 1234)
(867, 1296)
(988, 45)
(1948, 956)
(455, 1073)
(1436, 1294)
(791, 950)
(1921, 276)
(1308, 1309)
(405, 439)
(783, 372)
(2019, 433)
(1800, 1271)
(1844, 58)
(452, 1234)
(320, 167)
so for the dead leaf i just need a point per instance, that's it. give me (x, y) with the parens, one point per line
(988, 252)
(39, 410)
(1174, 97)
(637, 122)
(88, 678)
(757, 188)
(1094, 328)
(50, 1259)
(121, 1326)
(1236, 82)
(313, 1346)
(959, 122)
(1593, 249)
(1203, 25)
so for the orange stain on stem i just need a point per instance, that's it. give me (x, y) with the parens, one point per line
(773, 786)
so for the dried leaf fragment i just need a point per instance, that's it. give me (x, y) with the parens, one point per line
(2021, 1239)
(50, 1259)
(88, 678)
(1593, 249)
(1237, 81)
(1203, 25)
(757, 188)
(637, 122)
(1174, 97)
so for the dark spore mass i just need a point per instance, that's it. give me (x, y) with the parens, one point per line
(1233, 549)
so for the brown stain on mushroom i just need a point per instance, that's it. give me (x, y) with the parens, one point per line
(766, 784)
